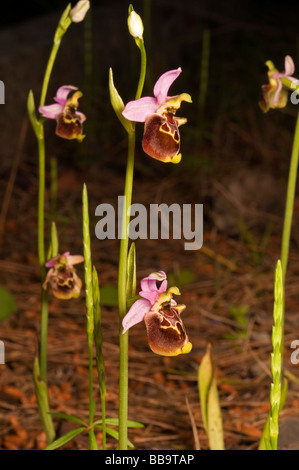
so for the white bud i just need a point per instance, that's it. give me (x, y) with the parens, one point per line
(135, 25)
(79, 11)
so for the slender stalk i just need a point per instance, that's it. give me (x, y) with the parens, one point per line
(41, 199)
(140, 44)
(53, 187)
(289, 209)
(41, 255)
(100, 363)
(122, 281)
(89, 303)
(290, 201)
(122, 273)
(62, 27)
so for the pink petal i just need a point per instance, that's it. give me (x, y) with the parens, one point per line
(152, 297)
(81, 116)
(74, 259)
(163, 84)
(138, 110)
(50, 263)
(136, 314)
(277, 93)
(51, 111)
(149, 283)
(289, 66)
(63, 92)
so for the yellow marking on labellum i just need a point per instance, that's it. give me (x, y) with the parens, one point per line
(171, 327)
(174, 135)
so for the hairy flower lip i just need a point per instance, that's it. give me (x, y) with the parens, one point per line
(62, 277)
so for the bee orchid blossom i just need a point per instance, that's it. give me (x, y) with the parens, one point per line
(275, 95)
(165, 330)
(161, 138)
(62, 277)
(69, 119)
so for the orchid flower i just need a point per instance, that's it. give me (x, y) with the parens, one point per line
(165, 330)
(274, 95)
(62, 277)
(161, 139)
(69, 120)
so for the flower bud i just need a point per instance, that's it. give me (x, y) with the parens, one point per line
(79, 11)
(135, 25)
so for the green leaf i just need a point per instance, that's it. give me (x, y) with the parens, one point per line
(114, 433)
(205, 376)
(53, 249)
(36, 125)
(73, 418)
(64, 23)
(209, 400)
(41, 392)
(131, 270)
(65, 439)
(8, 304)
(114, 422)
(118, 105)
(93, 445)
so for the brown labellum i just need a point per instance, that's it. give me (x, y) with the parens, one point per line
(64, 282)
(69, 125)
(161, 138)
(166, 333)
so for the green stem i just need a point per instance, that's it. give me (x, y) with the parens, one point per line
(62, 27)
(53, 187)
(289, 209)
(41, 199)
(290, 201)
(122, 281)
(89, 303)
(122, 273)
(140, 44)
